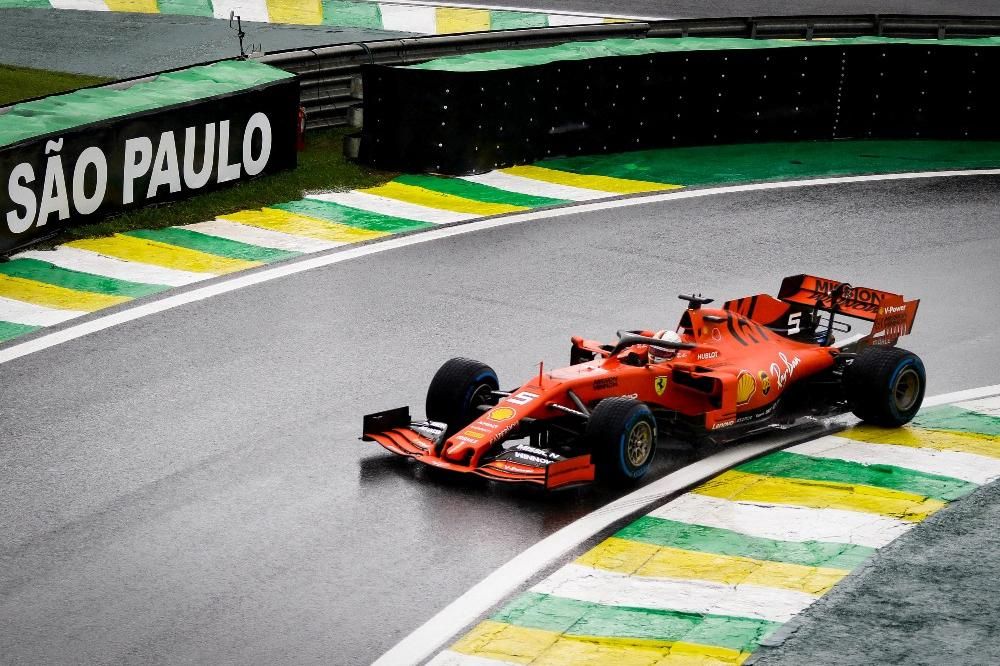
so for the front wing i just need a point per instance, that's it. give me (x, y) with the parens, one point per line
(421, 440)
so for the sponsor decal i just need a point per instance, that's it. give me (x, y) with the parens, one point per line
(473, 434)
(634, 396)
(522, 398)
(484, 427)
(503, 433)
(466, 440)
(784, 372)
(746, 386)
(865, 299)
(723, 424)
(704, 356)
(527, 448)
(605, 383)
(716, 334)
(660, 384)
(537, 460)
(757, 415)
(765, 382)
(502, 414)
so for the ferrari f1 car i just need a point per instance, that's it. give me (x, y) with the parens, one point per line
(726, 373)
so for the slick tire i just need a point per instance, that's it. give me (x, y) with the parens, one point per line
(622, 437)
(456, 391)
(885, 386)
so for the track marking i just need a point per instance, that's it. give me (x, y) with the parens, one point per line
(86, 261)
(260, 236)
(791, 524)
(232, 283)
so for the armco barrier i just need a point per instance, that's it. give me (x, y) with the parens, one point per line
(477, 113)
(330, 75)
(73, 159)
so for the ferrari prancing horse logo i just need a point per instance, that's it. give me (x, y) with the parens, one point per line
(660, 384)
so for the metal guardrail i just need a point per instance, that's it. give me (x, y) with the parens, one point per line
(330, 76)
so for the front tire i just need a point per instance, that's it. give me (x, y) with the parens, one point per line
(622, 437)
(885, 386)
(457, 390)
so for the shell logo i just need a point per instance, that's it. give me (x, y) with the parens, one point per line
(502, 414)
(746, 386)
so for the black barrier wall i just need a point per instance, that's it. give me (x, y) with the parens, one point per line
(424, 120)
(89, 172)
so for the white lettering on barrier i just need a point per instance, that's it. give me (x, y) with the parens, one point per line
(138, 158)
(161, 163)
(90, 157)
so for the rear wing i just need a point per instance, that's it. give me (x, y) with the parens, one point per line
(891, 316)
(800, 296)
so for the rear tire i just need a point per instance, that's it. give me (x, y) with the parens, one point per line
(456, 391)
(622, 437)
(885, 386)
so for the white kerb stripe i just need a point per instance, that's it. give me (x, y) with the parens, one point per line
(29, 314)
(393, 207)
(245, 233)
(408, 18)
(784, 523)
(538, 188)
(247, 10)
(988, 406)
(449, 658)
(569, 19)
(964, 466)
(85, 261)
(88, 5)
(610, 588)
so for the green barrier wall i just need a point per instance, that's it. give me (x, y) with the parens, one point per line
(477, 112)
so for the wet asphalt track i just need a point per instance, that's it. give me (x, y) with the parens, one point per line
(188, 487)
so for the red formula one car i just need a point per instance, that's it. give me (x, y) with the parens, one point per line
(724, 374)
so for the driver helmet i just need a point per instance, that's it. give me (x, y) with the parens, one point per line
(658, 354)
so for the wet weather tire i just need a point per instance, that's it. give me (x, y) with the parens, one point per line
(456, 391)
(885, 386)
(622, 437)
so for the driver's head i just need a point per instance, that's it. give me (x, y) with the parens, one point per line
(658, 354)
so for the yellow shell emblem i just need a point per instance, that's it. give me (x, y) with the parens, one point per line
(502, 413)
(746, 386)
(765, 382)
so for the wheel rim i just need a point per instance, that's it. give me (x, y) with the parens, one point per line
(906, 390)
(480, 397)
(640, 444)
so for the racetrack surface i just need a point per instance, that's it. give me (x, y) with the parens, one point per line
(189, 487)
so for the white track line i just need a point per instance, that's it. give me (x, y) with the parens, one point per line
(244, 233)
(610, 588)
(247, 10)
(247, 279)
(535, 187)
(988, 406)
(393, 207)
(87, 5)
(523, 10)
(29, 314)
(781, 522)
(408, 18)
(572, 19)
(964, 466)
(86, 261)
